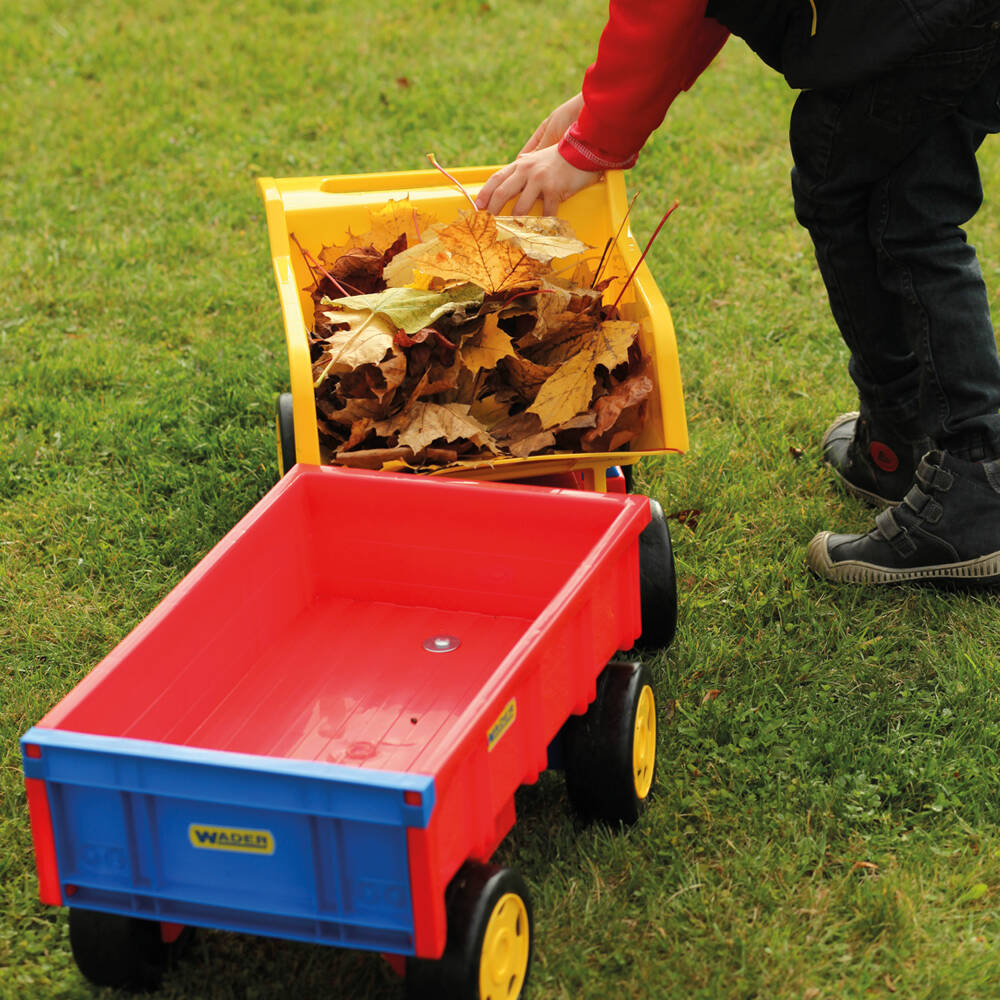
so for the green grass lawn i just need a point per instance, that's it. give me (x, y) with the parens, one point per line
(825, 818)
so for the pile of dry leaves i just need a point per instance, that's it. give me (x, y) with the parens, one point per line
(437, 343)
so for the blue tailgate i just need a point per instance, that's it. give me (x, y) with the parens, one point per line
(298, 849)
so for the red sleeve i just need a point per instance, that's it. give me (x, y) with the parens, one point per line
(650, 50)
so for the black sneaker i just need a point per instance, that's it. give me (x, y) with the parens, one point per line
(871, 465)
(946, 529)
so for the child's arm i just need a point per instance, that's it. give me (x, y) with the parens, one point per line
(650, 50)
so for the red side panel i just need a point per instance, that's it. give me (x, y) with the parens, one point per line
(430, 926)
(45, 844)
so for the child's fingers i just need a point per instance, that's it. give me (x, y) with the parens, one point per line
(487, 193)
(510, 182)
(536, 138)
(529, 195)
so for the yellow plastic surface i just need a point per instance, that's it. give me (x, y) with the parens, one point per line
(321, 210)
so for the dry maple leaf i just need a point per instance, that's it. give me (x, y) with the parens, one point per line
(488, 347)
(468, 250)
(543, 237)
(388, 224)
(365, 341)
(620, 416)
(568, 390)
(412, 309)
(425, 423)
(525, 376)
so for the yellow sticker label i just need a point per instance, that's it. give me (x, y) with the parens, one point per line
(504, 721)
(227, 838)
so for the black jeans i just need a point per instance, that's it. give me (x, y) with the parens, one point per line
(885, 177)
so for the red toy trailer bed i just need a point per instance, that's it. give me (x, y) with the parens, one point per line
(319, 732)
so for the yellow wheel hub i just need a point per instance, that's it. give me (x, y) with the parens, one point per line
(644, 742)
(503, 962)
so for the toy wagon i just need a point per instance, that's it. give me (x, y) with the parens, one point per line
(316, 211)
(318, 734)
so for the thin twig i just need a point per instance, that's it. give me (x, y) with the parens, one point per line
(312, 263)
(455, 181)
(666, 215)
(613, 240)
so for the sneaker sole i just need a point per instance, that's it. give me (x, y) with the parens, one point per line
(983, 569)
(849, 487)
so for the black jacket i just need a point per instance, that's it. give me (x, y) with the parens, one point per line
(832, 43)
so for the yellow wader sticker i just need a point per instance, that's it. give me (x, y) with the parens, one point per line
(227, 838)
(504, 721)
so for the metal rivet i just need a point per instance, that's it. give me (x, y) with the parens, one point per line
(441, 643)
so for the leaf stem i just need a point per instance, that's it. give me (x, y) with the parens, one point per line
(314, 265)
(454, 180)
(613, 240)
(628, 281)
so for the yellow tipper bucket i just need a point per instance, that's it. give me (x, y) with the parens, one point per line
(320, 211)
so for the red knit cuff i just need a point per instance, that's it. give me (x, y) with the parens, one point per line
(584, 156)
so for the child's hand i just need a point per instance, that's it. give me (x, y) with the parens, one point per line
(551, 130)
(541, 174)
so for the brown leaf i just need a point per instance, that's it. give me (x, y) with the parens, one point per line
(533, 444)
(426, 423)
(468, 250)
(568, 334)
(556, 303)
(688, 517)
(372, 458)
(608, 409)
(525, 376)
(516, 427)
(359, 270)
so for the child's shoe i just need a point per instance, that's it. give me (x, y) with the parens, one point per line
(873, 466)
(946, 529)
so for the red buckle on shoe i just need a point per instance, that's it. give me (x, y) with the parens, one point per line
(883, 456)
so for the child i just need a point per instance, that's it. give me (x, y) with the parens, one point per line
(897, 97)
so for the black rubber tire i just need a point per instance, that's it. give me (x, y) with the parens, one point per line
(598, 748)
(657, 583)
(122, 952)
(471, 898)
(285, 427)
(629, 478)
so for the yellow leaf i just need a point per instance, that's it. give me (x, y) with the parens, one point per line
(489, 410)
(468, 250)
(568, 390)
(388, 223)
(491, 345)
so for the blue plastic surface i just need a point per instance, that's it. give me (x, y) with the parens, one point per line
(297, 849)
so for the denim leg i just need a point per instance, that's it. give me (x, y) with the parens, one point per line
(834, 201)
(884, 181)
(925, 263)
